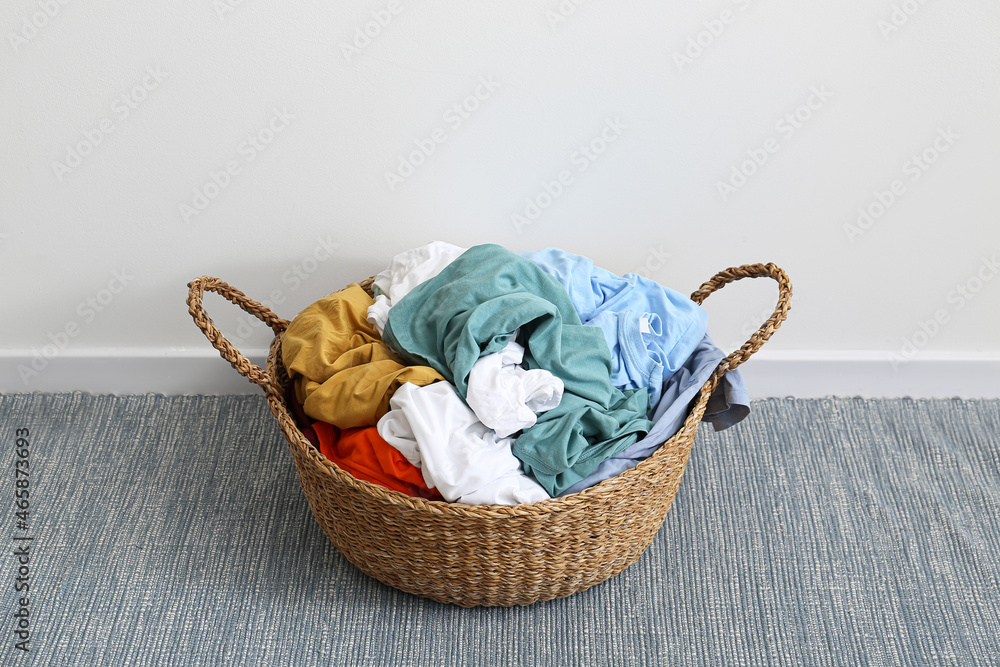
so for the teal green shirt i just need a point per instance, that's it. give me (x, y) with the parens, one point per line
(473, 307)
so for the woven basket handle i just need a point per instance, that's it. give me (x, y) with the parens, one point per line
(196, 290)
(732, 274)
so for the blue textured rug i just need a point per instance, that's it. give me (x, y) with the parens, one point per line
(171, 530)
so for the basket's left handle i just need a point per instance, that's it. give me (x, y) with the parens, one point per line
(197, 289)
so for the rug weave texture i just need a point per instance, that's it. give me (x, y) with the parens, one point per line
(172, 530)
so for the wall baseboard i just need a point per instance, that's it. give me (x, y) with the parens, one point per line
(131, 371)
(804, 374)
(815, 374)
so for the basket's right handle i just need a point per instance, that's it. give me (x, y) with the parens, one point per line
(197, 289)
(734, 273)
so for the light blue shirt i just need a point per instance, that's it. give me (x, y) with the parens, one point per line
(651, 329)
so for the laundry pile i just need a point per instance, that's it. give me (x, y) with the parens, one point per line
(488, 377)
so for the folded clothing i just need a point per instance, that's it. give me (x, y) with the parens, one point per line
(365, 455)
(728, 405)
(463, 459)
(473, 307)
(650, 329)
(343, 373)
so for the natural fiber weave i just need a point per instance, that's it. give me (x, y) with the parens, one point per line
(486, 555)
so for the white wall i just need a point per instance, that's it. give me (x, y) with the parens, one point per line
(163, 96)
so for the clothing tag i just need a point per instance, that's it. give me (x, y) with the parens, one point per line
(644, 324)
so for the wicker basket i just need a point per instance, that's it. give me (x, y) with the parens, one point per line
(485, 555)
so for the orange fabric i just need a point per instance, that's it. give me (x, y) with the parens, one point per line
(364, 454)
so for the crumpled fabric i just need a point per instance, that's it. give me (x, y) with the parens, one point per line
(406, 271)
(343, 373)
(728, 405)
(505, 396)
(456, 453)
(473, 307)
(364, 454)
(651, 329)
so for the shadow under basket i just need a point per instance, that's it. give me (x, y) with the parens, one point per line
(485, 555)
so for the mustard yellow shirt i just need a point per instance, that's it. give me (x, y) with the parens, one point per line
(342, 371)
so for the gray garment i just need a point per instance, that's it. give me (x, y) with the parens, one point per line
(728, 405)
